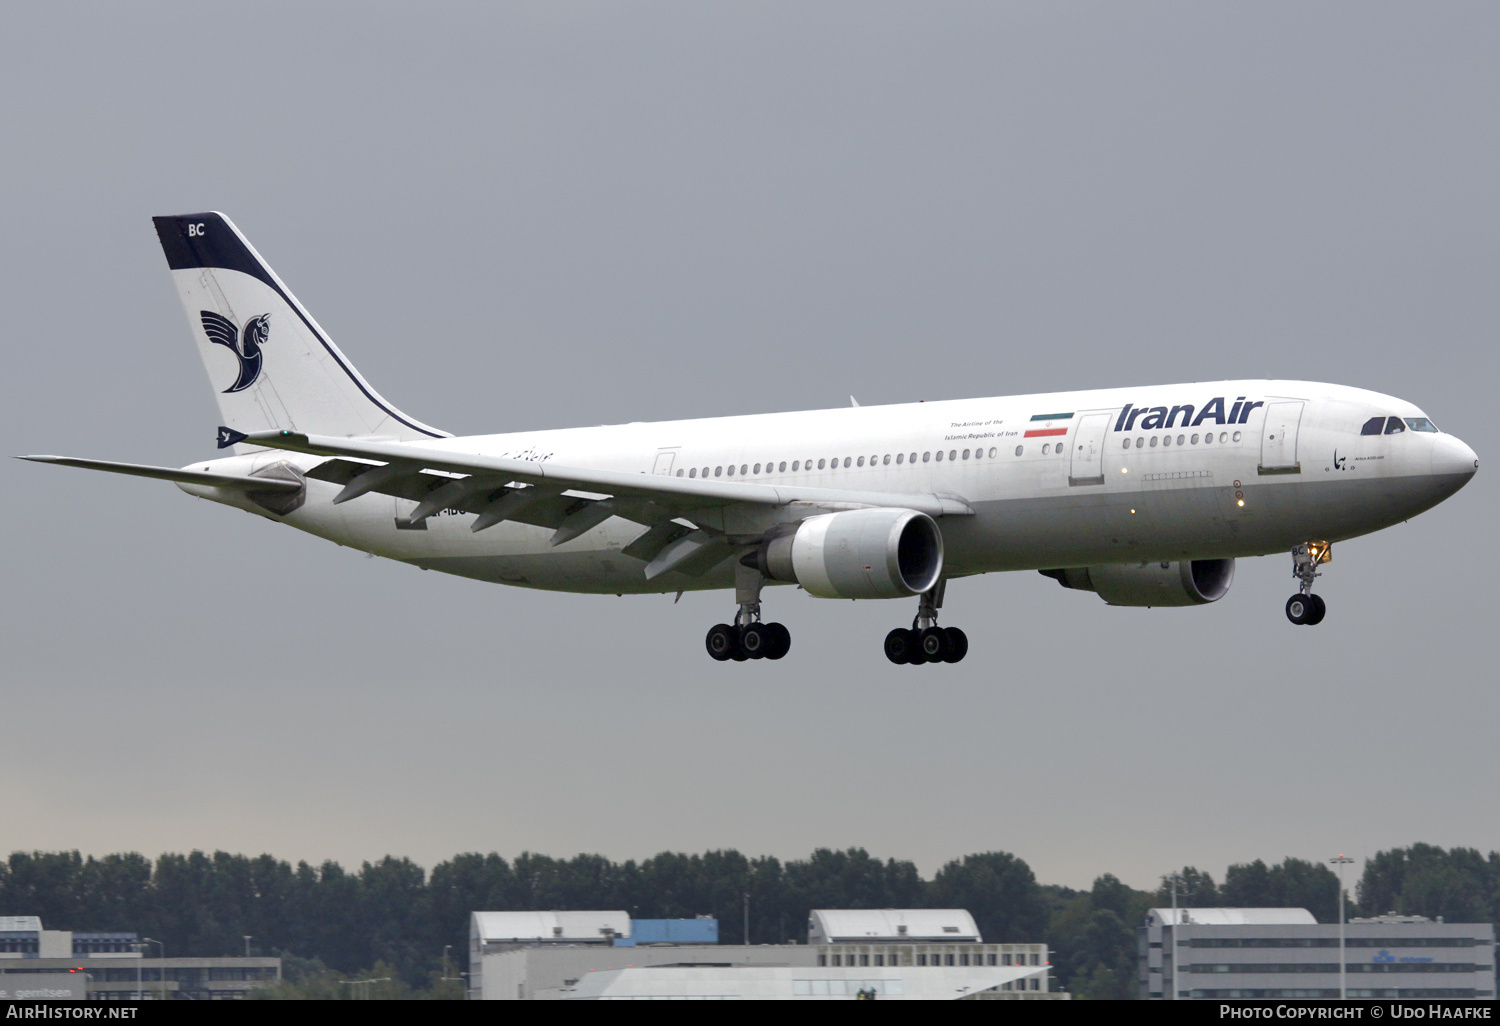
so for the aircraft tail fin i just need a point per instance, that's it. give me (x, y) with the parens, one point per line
(273, 367)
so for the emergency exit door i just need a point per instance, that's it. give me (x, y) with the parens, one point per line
(664, 461)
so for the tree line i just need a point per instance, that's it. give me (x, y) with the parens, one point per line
(325, 920)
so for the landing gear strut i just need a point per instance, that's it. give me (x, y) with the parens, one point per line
(1305, 608)
(926, 642)
(747, 637)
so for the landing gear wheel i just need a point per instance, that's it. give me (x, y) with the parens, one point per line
(898, 646)
(723, 642)
(1300, 609)
(780, 640)
(958, 644)
(1319, 610)
(755, 640)
(934, 644)
(914, 654)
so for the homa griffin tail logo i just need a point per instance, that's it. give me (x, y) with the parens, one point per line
(246, 347)
(1162, 417)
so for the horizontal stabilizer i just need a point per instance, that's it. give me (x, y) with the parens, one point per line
(237, 482)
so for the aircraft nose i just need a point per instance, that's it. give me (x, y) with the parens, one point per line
(1452, 458)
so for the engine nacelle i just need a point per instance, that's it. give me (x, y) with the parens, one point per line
(857, 554)
(1190, 583)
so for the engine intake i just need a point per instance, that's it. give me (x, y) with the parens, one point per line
(857, 554)
(1190, 583)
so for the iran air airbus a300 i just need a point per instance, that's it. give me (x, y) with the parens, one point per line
(1144, 496)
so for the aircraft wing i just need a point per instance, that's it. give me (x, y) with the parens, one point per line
(237, 482)
(571, 500)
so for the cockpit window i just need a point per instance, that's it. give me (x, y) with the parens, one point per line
(1421, 424)
(1393, 426)
(1373, 426)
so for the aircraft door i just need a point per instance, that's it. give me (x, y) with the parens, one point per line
(664, 460)
(1087, 467)
(1278, 438)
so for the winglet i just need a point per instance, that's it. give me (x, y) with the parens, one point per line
(229, 436)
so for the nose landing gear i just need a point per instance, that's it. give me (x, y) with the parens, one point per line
(926, 642)
(1305, 608)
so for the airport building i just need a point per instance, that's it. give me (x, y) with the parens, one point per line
(63, 965)
(934, 954)
(1217, 953)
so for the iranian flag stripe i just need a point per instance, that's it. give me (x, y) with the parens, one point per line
(1052, 416)
(1045, 432)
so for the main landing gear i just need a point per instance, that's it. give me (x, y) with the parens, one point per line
(926, 642)
(1304, 608)
(747, 637)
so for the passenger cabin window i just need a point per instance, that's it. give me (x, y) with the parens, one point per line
(1373, 426)
(1393, 426)
(1421, 424)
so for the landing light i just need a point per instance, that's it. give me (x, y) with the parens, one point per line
(1242, 502)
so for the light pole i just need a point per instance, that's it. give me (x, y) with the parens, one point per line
(162, 972)
(1341, 860)
(247, 944)
(1175, 880)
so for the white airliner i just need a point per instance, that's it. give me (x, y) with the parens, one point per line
(1144, 496)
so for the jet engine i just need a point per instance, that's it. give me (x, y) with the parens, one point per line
(856, 554)
(1188, 583)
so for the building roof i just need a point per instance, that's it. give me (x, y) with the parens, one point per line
(553, 927)
(842, 926)
(1233, 917)
(20, 924)
(764, 983)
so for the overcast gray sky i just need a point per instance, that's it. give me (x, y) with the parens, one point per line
(539, 215)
